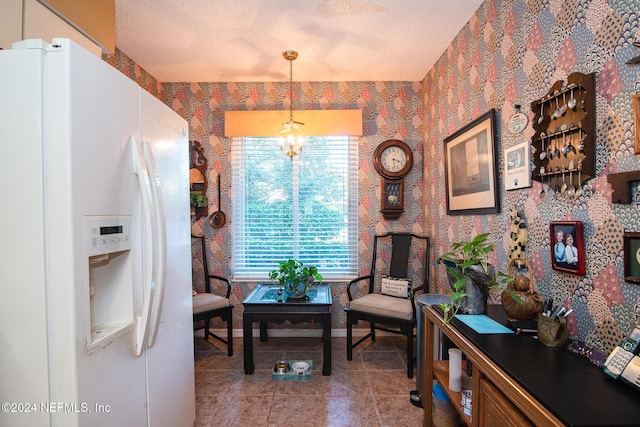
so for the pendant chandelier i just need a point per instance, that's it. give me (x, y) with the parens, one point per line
(291, 145)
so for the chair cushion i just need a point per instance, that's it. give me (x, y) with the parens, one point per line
(383, 305)
(395, 286)
(205, 302)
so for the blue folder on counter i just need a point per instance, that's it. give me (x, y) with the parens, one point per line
(483, 324)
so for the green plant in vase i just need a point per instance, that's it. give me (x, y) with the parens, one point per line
(471, 277)
(199, 200)
(294, 277)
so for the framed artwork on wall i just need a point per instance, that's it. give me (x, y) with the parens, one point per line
(517, 172)
(567, 246)
(631, 243)
(470, 168)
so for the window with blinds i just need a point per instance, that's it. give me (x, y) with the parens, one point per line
(304, 208)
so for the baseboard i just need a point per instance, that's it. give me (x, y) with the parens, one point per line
(298, 332)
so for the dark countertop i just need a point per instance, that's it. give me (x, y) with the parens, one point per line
(569, 385)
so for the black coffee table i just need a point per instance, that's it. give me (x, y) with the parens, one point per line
(264, 305)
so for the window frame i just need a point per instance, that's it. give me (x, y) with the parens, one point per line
(242, 270)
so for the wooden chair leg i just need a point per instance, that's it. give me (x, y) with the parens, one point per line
(349, 338)
(229, 335)
(206, 330)
(373, 330)
(410, 354)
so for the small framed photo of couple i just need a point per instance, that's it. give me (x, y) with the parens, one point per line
(567, 246)
(631, 242)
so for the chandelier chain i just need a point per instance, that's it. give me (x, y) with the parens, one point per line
(294, 144)
(291, 91)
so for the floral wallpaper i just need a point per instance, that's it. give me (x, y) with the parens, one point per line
(136, 73)
(389, 109)
(510, 52)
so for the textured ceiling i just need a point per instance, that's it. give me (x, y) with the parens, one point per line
(243, 40)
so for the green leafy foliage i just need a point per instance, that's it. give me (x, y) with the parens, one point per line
(470, 253)
(458, 260)
(199, 200)
(294, 271)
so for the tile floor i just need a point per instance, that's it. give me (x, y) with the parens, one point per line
(370, 390)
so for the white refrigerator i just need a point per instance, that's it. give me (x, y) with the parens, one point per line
(95, 253)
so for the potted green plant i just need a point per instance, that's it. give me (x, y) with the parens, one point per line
(199, 200)
(294, 277)
(471, 277)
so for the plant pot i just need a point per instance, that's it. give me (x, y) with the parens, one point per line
(475, 302)
(296, 290)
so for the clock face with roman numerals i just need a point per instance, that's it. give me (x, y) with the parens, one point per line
(393, 159)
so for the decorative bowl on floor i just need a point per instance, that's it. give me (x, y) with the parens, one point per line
(281, 367)
(300, 368)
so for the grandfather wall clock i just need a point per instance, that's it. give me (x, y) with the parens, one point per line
(393, 160)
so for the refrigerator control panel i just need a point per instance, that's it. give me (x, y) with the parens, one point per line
(107, 234)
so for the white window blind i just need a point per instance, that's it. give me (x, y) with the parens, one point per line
(304, 208)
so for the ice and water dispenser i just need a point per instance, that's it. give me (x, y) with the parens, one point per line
(107, 247)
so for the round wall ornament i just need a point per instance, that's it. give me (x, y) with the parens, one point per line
(517, 123)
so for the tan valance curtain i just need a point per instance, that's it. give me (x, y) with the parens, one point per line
(316, 122)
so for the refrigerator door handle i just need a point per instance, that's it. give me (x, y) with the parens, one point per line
(160, 234)
(146, 196)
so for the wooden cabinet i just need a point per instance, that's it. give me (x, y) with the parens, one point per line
(518, 381)
(496, 410)
(10, 22)
(441, 373)
(90, 24)
(498, 400)
(95, 18)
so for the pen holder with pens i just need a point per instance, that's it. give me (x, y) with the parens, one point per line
(552, 331)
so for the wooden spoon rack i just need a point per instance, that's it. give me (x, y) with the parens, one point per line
(567, 133)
